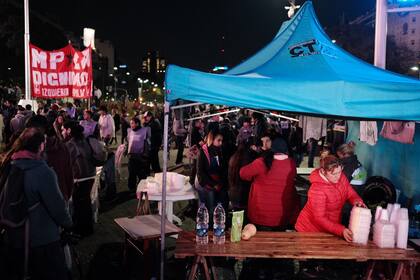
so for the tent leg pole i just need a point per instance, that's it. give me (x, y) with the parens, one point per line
(165, 169)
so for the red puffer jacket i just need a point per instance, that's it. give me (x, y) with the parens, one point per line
(322, 212)
(273, 200)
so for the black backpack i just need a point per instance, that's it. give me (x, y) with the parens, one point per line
(14, 209)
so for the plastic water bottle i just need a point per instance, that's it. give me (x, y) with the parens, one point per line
(202, 226)
(219, 218)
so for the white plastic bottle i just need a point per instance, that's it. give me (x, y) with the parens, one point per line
(202, 225)
(219, 219)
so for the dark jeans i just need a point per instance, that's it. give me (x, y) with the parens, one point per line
(45, 263)
(312, 147)
(82, 216)
(154, 160)
(138, 169)
(179, 140)
(211, 198)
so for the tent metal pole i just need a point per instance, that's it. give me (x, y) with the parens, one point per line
(185, 105)
(275, 115)
(164, 176)
(212, 115)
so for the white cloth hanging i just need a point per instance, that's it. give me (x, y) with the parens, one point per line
(369, 132)
(313, 127)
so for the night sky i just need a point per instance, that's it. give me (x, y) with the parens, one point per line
(188, 33)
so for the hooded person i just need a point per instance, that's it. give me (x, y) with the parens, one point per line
(273, 202)
(47, 215)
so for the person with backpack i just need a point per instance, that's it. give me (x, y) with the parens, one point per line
(84, 171)
(138, 151)
(32, 210)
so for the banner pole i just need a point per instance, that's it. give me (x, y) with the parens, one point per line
(27, 57)
(163, 202)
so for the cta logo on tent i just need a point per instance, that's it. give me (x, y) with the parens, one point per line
(305, 48)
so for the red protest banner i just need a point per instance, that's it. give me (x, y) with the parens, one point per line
(61, 73)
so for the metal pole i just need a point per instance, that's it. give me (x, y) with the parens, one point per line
(163, 202)
(27, 57)
(380, 33)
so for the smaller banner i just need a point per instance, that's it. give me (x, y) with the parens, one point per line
(61, 73)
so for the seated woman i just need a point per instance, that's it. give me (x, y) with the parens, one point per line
(327, 195)
(273, 202)
(211, 182)
(352, 168)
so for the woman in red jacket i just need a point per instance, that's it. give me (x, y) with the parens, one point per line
(273, 201)
(329, 190)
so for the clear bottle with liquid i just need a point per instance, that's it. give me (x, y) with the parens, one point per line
(219, 219)
(202, 225)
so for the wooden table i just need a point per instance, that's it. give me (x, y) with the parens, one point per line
(293, 245)
(141, 232)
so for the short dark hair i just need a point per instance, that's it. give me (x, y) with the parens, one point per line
(89, 112)
(30, 140)
(136, 120)
(103, 108)
(37, 121)
(28, 107)
(76, 129)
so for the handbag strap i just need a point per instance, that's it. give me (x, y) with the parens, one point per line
(397, 130)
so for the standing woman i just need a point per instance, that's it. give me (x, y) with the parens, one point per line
(58, 125)
(84, 172)
(138, 151)
(211, 182)
(328, 193)
(273, 202)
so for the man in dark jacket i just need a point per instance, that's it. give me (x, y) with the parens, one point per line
(46, 256)
(156, 129)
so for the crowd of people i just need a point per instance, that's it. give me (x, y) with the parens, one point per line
(44, 145)
(245, 161)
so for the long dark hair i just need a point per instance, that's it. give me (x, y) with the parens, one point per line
(268, 157)
(235, 164)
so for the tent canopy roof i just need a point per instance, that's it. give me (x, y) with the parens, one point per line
(302, 71)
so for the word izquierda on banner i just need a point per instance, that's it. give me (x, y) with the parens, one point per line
(62, 73)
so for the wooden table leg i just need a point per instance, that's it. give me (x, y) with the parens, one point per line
(206, 268)
(194, 267)
(400, 270)
(411, 270)
(125, 251)
(212, 268)
(370, 269)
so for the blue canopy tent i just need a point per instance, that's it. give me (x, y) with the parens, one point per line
(300, 71)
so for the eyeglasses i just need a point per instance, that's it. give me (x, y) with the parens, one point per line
(337, 170)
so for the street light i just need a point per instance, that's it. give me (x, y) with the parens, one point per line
(416, 69)
(115, 68)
